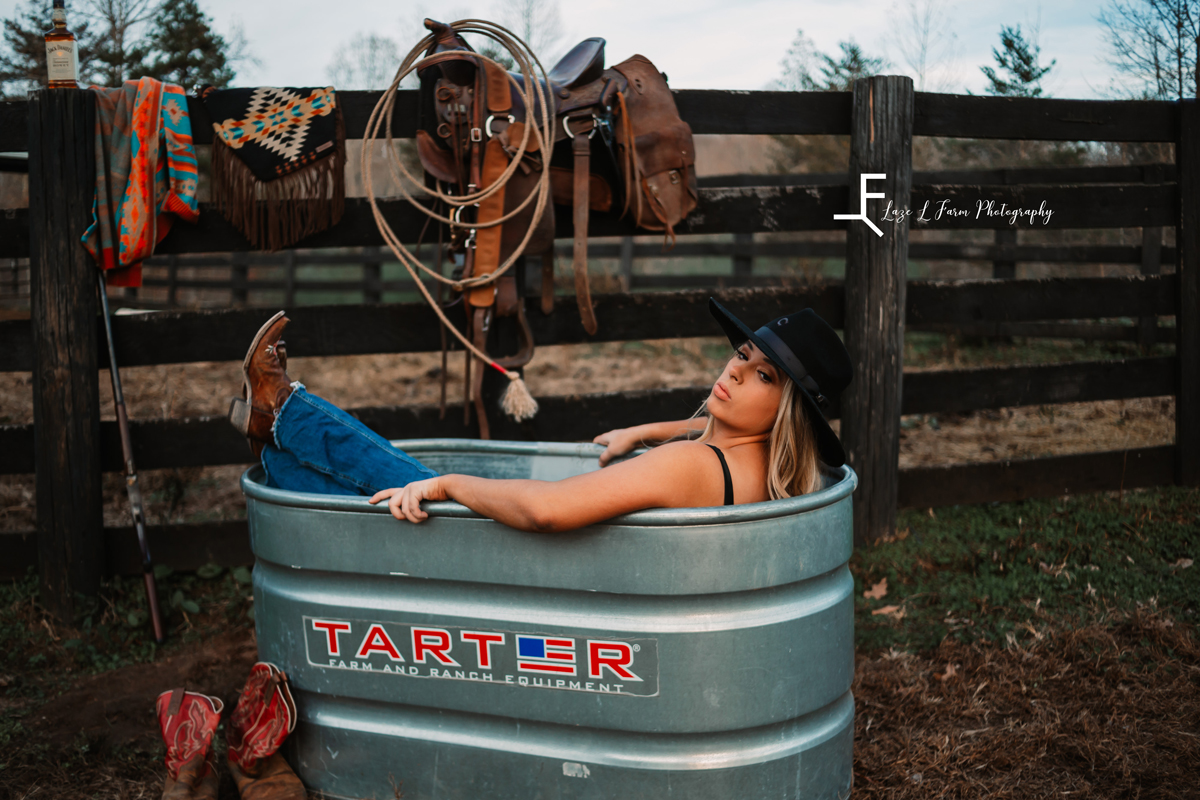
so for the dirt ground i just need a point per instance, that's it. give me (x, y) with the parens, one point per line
(110, 716)
(203, 494)
(1107, 711)
(1100, 712)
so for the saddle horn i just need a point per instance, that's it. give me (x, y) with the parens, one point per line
(459, 70)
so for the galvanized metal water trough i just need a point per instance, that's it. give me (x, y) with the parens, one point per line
(690, 653)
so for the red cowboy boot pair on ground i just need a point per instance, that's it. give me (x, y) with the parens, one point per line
(265, 385)
(264, 716)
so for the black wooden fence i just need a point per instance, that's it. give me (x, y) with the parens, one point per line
(68, 446)
(269, 279)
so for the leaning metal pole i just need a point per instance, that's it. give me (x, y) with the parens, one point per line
(132, 487)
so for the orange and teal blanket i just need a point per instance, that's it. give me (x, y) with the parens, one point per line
(145, 175)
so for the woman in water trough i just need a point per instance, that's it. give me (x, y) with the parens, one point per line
(762, 439)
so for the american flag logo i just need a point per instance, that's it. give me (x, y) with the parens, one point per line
(545, 654)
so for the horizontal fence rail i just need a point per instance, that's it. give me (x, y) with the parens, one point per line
(164, 272)
(763, 209)
(803, 113)
(1049, 476)
(1137, 173)
(181, 337)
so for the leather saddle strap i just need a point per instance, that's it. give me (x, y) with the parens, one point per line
(525, 354)
(581, 146)
(495, 161)
(487, 240)
(480, 325)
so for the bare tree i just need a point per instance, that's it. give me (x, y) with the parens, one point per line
(116, 21)
(799, 65)
(538, 22)
(368, 61)
(927, 43)
(1154, 42)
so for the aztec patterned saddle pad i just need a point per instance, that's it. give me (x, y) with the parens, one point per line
(278, 161)
(275, 131)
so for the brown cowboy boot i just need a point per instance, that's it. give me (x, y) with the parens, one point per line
(265, 385)
(188, 721)
(264, 716)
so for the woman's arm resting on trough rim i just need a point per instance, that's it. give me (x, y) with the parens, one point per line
(666, 477)
(620, 441)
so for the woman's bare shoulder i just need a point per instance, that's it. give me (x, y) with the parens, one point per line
(683, 448)
(678, 457)
(677, 474)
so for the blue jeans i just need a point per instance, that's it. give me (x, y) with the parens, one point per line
(320, 448)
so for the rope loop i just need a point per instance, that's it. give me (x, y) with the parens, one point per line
(535, 96)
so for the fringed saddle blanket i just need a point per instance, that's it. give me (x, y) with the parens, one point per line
(145, 173)
(279, 159)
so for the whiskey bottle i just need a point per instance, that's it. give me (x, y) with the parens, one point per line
(62, 55)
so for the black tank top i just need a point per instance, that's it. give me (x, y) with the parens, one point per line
(728, 478)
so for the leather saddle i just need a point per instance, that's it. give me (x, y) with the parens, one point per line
(618, 141)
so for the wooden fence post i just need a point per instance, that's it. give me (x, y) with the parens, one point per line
(372, 275)
(239, 273)
(876, 270)
(173, 281)
(626, 263)
(64, 307)
(1151, 263)
(289, 278)
(743, 258)
(1005, 269)
(1187, 313)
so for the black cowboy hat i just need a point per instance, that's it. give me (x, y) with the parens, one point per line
(811, 354)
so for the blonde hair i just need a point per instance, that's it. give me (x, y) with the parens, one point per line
(792, 465)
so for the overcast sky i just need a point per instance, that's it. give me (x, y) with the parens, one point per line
(700, 44)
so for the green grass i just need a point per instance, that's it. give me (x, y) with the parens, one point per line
(997, 573)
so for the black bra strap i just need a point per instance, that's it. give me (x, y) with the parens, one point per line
(728, 477)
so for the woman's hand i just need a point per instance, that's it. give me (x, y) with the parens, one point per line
(617, 443)
(405, 502)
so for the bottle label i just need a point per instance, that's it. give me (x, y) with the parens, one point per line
(62, 61)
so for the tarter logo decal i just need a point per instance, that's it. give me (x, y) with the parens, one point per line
(526, 659)
(332, 628)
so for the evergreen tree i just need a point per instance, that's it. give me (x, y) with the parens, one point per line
(1017, 72)
(805, 69)
(181, 47)
(23, 51)
(838, 74)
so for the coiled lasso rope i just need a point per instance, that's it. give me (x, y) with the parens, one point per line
(517, 401)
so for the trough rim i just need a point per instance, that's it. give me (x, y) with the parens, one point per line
(844, 485)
